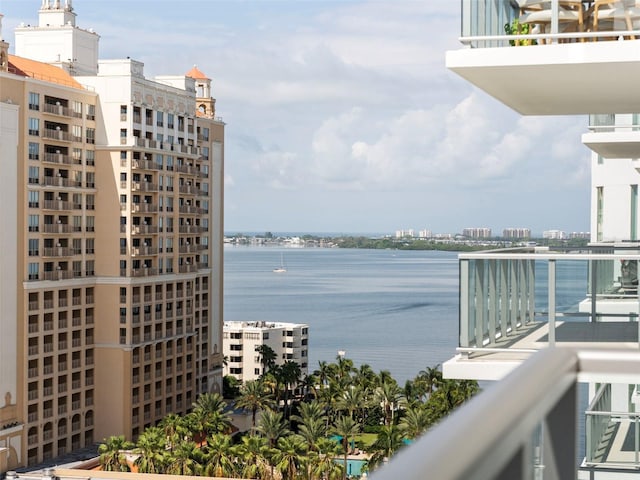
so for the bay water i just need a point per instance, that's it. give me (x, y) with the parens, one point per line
(395, 310)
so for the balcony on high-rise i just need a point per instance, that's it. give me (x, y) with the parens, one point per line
(514, 302)
(554, 57)
(614, 135)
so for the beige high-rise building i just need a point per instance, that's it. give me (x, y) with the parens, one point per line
(112, 221)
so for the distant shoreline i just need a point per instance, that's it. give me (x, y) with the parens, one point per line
(457, 244)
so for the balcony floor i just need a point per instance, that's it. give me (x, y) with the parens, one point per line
(493, 365)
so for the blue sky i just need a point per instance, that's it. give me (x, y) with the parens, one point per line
(341, 116)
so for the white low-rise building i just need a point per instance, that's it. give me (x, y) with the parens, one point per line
(289, 341)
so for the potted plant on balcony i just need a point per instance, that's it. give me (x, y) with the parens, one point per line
(517, 28)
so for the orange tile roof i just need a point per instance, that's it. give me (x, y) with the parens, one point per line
(196, 73)
(41, 71)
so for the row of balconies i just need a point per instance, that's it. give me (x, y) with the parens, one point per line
(34, 350)
(147, 357)
(148, 207)
(148, 297)
(158, 315)
(63, 324)
(62, 302)
(33, 373)
(181, 168)
(152, 229)
(158, 145)
(147, 271)
(65, 205)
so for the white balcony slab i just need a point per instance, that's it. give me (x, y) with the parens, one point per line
(558, 79)
(614, 144)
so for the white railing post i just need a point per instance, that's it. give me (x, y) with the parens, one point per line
(493, 312)
(552, 303)
(481, 302)
(504, 297)
(464, 303)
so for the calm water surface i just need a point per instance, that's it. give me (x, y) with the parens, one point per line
(395, 310)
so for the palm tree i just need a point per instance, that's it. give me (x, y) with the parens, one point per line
(388, 442)
(151, 448)
(253, 450)
(174, 428)
(254, 397)
(429, 379)
(344, 367)
(390, 396)
(185, 459)
(111, 457)
(267, 357)
(208, 415)
(272, 427)
(219, 459)
(290, 376)
(415, 421)
(311, 430)
(313, 409)
(324, 465)
(365, 377)
(352, 399)
(288, 456)
(347, 428)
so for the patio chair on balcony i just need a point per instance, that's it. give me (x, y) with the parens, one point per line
(538, 15)
(615, 15)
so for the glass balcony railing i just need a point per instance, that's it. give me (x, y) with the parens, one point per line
(527, 299)
(503, 23)
(613, 431)
(611, 122)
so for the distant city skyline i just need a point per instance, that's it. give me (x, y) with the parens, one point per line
(342, 117)
(551, 232)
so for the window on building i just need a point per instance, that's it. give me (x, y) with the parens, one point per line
(91, 135)
(90, 157)
(160, 119)
(34, 174)
(123, 113)
(34, 247)
(91, 180)
(34, 126)
(34, 101)
(170, 117)
(34, 199)
(76, 154)
(76, 131)
(33, 271)
(77, 109)
(91, 112)
(34, 221)
(34, 151)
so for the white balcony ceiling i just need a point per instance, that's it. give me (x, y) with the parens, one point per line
(561, 79)
(614, 144)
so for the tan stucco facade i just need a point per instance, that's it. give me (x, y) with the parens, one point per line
(111, 298)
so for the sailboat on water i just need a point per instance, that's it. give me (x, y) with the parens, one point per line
(281, 268)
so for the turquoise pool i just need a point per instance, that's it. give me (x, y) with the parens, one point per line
(354, 467)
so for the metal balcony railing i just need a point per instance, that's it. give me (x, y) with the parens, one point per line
(504, 23)
(524, 426)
